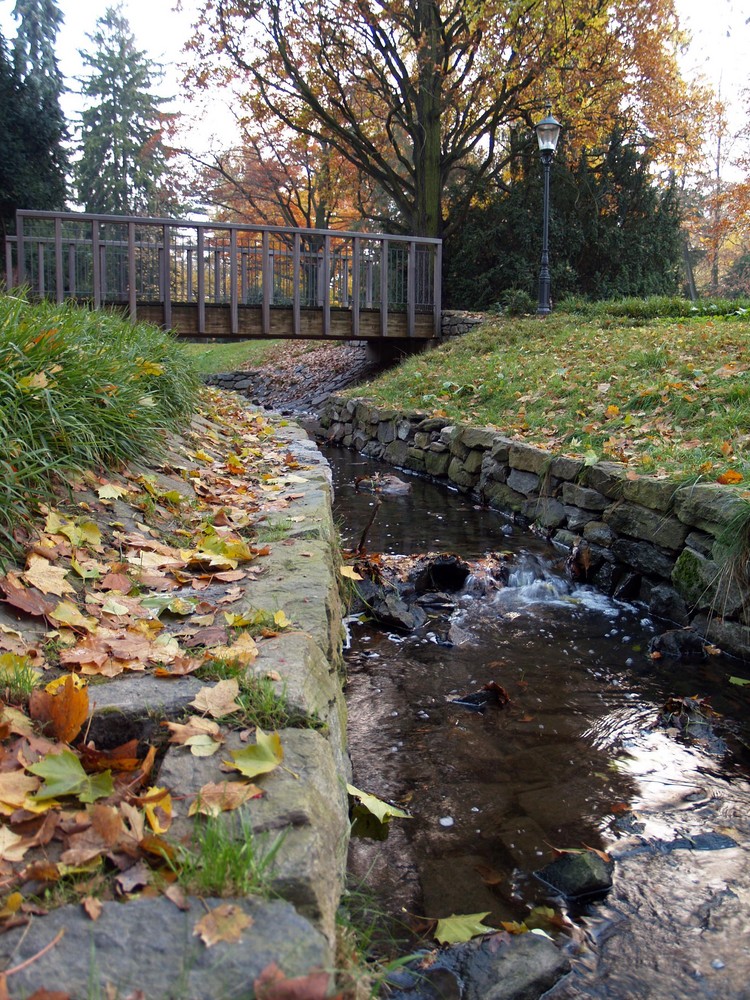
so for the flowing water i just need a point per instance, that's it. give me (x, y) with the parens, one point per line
(578, 757)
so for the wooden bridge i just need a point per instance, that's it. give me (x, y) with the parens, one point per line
(205, 279)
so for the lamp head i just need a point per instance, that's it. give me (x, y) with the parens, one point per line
(547, 133)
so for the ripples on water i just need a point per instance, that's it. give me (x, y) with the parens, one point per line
(577, 758)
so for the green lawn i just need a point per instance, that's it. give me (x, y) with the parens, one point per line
(663, 396)
(210, 358)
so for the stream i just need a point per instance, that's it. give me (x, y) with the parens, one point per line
(581, 756)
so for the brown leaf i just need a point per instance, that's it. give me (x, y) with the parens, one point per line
(116, 581)
(122, 758)
(729, 478)
(30, 601)
(177, 896)
(272, 984)
(224, 923)
(136, 877)
(218, 700)
(92, 906)
(488, 875)
(216, 797)
(195, 726)
(62, 713)
(43, 994)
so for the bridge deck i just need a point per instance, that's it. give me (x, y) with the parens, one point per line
(227, 280)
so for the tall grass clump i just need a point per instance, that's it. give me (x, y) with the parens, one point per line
(80, 390)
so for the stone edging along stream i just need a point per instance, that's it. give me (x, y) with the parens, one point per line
(149, 943)
(681, 549)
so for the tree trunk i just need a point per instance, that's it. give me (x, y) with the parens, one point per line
(427, 140)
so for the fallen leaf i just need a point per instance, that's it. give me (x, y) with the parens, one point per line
(224, 923)
(350, 573)
(260, 758)
(215, 798)
(12, 847)
(40, 573)
(729, 478)
(63, 775)
(218, 700)
(488, 875)
(177, 896)
(92, 906)
(381, 810)
(456, 928)
(272, 984)
(157, 804)
(63, 711)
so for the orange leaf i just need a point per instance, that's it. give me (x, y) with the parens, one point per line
(224, 923)
(729, 478)
(272, 984)
(92, 906)
(63, 712)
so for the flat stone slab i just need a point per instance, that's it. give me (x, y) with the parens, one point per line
(304, 802)
(150, 945)
(133, 707)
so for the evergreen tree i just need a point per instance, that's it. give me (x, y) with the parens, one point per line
(123, 167)
(614, 231)
(32, 128)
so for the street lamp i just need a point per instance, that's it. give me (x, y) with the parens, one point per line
(547, 134)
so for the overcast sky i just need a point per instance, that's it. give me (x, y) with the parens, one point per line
(720, 30)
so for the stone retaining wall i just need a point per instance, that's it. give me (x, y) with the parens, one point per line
(647, 539)
(456, 321)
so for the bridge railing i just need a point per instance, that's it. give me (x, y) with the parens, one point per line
(136, 262)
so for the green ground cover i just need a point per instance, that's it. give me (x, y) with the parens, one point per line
(80, 391)
(664, 396)
(210, 358)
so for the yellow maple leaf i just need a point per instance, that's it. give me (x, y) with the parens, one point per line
(40, 573)
(350, 573)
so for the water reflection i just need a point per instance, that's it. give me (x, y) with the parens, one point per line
(578, 757)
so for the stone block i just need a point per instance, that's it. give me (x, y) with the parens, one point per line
(386, 431)
(526, 458)
(599, 533)
(708, 507)
(473, 461)
(650, 492)
(643, 523)
(458, 475)
(502, 497)
(500, 450)
(395, 453)
(565, 468)
(608, 478)
(415, 459)
(436, 464)
(582, 496)
(148, 947)
(478, 437)
(546, 511)
(523, 482)
(304, 803)
(643, 557)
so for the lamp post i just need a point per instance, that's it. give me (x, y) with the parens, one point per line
(547, 134)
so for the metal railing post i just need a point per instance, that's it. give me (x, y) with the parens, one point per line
(383, 288)
(59, 274)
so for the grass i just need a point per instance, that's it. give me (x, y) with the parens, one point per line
(225, 858)
(208, 359)
(261, 705)
(79, 390)
(668, 397)
(18, 678)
